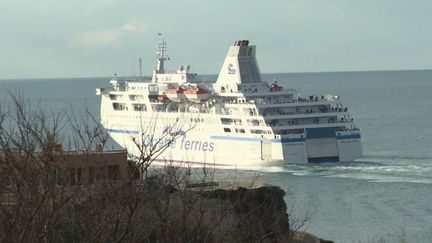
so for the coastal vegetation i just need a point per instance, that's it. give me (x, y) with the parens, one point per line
(42, 201)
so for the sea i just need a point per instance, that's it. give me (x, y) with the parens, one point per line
(387, 194)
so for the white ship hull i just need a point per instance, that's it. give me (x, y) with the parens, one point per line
(205, 145)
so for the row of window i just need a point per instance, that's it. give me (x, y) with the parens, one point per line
(195, 120)
(237, 130)
(93, 174)
(236, 110)
(236, 121)
(229, 121)
(131, 97)
(123, 106)
(136, 97)
(253, 131)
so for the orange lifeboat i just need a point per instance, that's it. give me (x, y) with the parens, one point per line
(162, 97)
(175, 94)
(275, 88)
(197, 94)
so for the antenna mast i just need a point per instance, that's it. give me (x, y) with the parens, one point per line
(140, 66)
(161, 55)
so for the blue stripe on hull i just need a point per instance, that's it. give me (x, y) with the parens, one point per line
(232, 138)
(323, 159)
(248, 139)
(351, 136)
(292, 140)
(123, 131)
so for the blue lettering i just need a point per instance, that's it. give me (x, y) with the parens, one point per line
(187, 144)
(197, 145)
(173, 144)
(182, 142)
(204, 146)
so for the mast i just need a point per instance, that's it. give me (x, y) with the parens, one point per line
(140, 66)
(161, 57)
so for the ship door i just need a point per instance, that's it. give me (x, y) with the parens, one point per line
(266, 150)
(322, 150)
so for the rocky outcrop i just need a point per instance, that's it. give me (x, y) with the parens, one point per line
(258, 214)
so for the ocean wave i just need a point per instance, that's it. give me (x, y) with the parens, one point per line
(370, 171)
(364, 169)
(372, 156)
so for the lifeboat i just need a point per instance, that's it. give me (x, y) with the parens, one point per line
(275, 88)
(197, 94)
(162, 97)
(175, 94)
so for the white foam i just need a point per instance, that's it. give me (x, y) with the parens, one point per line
(374, 172)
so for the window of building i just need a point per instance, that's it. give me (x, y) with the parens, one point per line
(92, 175)
(226, 129)
(75, 176)
(97, 174)
(113, 172)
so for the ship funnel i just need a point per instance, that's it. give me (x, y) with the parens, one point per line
(240, 65)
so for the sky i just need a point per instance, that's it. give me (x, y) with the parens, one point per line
(93, 38)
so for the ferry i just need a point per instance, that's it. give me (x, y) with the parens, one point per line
(238, 120)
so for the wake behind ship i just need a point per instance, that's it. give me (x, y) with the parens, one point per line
(239, 120)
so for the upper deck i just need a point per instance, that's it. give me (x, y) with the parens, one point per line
(239, 93)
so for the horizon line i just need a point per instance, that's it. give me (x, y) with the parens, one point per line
(277, 72)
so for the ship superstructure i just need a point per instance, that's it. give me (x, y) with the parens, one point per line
(237, 120)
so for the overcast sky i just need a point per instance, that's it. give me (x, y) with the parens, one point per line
(86, 38)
